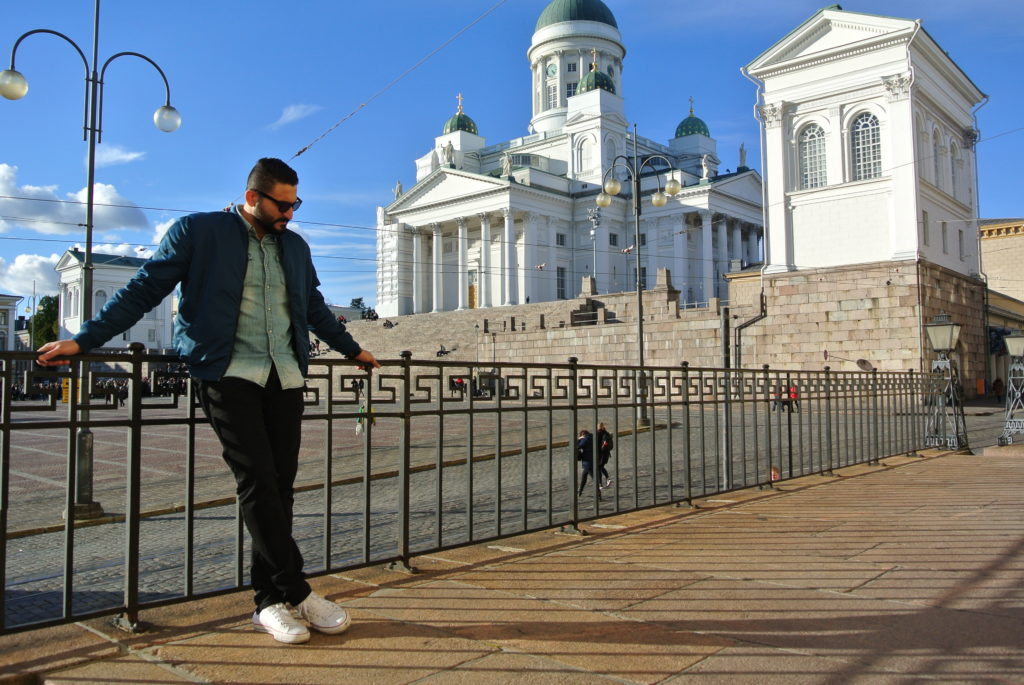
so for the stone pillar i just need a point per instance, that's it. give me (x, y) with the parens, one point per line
(463, 264)
(722, 257)
(707, 281)
(508, 254)
(484, 296)
(779, 238)
(417, 270)
(753, 254)
(438, 275)
(681, 255)
(528, 271)
(737, 240)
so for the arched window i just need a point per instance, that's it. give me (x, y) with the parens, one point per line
(811, 150)
(954, 174)
(937, 159)
(585, 154)
(99, 299)
(866, 147)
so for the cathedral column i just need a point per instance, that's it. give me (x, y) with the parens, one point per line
(680, 256)
(722, 258)
(463, 264)
(528, 270)
(737, 240)
(417, 270)
(438, 275)
(753, 256)
(777, 178)
(707, 281)
(508, 254)
(484, 297)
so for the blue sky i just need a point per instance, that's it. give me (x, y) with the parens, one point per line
(259, 78)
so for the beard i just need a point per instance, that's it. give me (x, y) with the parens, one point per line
(267, 224)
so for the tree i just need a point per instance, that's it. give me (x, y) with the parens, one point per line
(357, 302)
(43, 323)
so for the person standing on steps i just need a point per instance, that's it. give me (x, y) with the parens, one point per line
(249, 297)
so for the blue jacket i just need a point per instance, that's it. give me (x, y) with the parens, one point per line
(207, 254)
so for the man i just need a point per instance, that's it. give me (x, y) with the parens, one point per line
(249, 295)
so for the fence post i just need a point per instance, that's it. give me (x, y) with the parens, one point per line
(768, 424)
(402, 564)
(129, 620)
(828, 419)
(573, 527)
(877, 439)
(687, 464)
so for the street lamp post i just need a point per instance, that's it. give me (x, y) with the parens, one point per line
(1014, 389)
(945, 428)
(611, 186)
(13, 86)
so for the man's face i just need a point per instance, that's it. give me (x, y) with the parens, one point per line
(265, 207)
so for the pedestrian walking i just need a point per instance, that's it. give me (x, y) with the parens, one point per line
(248, 376)
(585, 455)
(605, 443)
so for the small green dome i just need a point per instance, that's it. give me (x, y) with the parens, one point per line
(460, 122)
(558, 11)
(691, 125)
(595, 79)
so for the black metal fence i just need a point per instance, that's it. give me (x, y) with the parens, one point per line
(420, 456)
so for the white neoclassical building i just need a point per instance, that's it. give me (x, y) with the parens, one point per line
(869, 135)
(510, 223)
(110, 274)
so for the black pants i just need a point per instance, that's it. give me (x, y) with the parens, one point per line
(260, 431)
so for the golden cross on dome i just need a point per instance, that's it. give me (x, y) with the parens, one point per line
(459, 98)
(691, 105)
(593, 52)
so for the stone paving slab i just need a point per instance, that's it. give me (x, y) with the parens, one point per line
(884, 575)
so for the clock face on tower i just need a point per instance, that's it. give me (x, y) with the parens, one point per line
(552, 70)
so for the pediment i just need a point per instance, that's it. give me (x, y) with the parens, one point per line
(610, 118)
(66, 261)
(828, 32)
(444, 185)
(746, 186)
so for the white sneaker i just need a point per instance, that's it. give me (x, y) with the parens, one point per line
(277, 620)
(323, 614)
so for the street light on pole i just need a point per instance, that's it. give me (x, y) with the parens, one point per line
(945, 429)
(1014, 389)
(611, 186)
(13, 86)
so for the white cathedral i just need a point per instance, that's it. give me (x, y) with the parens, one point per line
(515, 222)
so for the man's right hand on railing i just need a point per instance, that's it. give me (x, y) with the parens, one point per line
(55, 353)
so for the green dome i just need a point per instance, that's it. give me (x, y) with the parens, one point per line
(595, 79)
(575, 10)
(691, 125)
(459, 122)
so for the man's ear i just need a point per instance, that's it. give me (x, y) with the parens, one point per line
(251, 197)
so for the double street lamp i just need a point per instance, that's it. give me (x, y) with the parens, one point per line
(13, 86)
(612, 186)
(946, 425)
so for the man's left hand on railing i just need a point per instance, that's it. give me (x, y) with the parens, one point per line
(55, 353)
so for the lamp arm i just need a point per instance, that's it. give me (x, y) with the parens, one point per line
(85, 63)
(103, 72)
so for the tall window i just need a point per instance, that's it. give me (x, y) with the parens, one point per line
(937, 159)
(924, 227)
(867, 147)
(613, 239)
(570, 89)
(954, 176)
(560, 283)
(960, 244)
(945, 238)
(812, 157)
(571, 67)
(560, 239)
(552, 95)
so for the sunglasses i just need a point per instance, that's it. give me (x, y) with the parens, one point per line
(281, 206)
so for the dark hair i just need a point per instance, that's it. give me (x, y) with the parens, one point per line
(269, 171)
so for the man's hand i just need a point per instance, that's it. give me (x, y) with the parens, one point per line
(367, 359)
(49, 352)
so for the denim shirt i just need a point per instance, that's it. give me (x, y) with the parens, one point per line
(263, 335)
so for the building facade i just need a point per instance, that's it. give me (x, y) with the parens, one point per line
(110, 274)
(487, 225)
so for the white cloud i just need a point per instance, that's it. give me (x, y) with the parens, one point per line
(109, 155)
(16, 277)
(293, 113)
(41, 209)
(160, 229)
(122, 249)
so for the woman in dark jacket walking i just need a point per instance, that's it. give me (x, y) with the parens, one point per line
(585, 455)
(604, 453)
